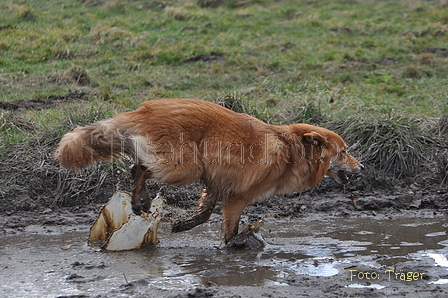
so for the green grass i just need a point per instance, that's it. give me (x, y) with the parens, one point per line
(361, 58)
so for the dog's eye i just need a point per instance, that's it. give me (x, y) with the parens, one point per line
(344, 151)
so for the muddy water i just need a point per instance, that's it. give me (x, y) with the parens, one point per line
(53, 265)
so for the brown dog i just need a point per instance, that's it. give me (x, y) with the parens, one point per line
(239, 159)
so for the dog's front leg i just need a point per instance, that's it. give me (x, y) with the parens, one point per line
(139, 193)
(231, 211)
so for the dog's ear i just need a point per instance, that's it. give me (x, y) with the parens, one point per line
(316, 138)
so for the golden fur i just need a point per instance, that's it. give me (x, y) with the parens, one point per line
(238, 158)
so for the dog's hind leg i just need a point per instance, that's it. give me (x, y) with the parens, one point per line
(139, 193)
(207, 204)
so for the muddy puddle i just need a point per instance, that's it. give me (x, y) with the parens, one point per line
(325, 249)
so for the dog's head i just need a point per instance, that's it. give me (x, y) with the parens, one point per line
(332, 154)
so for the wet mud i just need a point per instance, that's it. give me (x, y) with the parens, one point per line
(319, 254)
(368, 239)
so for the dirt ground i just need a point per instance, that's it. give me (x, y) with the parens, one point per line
(366, 197)
(39, 103)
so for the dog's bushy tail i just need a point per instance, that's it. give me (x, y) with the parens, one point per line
(83, 146)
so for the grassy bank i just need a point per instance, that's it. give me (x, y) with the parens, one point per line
(375, 71)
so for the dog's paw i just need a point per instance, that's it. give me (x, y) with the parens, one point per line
(137, 209)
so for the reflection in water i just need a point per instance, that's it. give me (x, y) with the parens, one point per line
(317, 267)
(398, 237)
(440, 260)
(220, 267)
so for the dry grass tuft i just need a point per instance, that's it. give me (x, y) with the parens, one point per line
(211, 3)
(79, 75)
(442, 169)
(233, 102)
(301, 113)
(178, 13)
(394, 146)
(90, 3)
(10, 121)
(443, 126)
(416, 72)
(29, 170)
(27, 15)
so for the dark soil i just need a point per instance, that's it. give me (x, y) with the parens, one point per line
(39, 103)
(204, 58)
(38, 199)
(434, 50)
